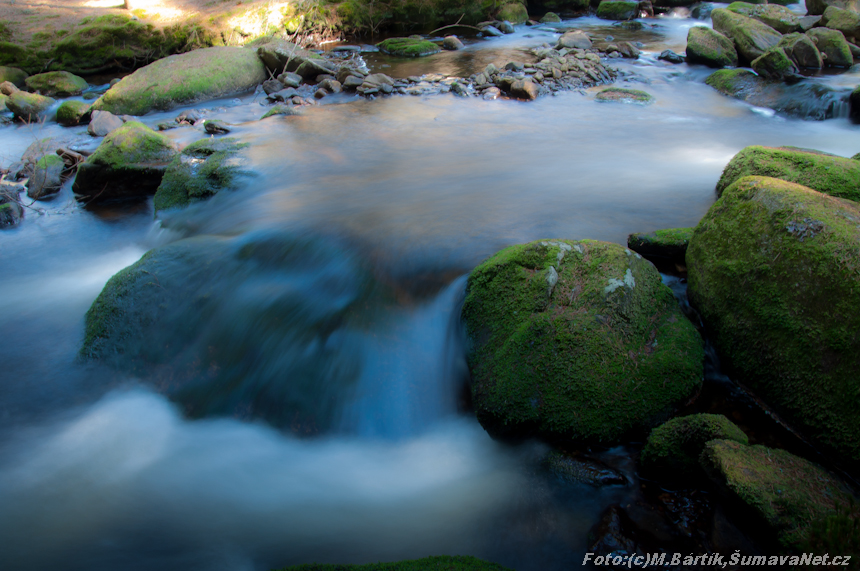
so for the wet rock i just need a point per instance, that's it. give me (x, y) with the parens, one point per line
(452, 43)
(184, 79)
(802, 51)
(280, 56)
(775, 64)
(28, 106)
(491, 31)
(290, 79)
(528, 300)
(671, 57)
(72, 112)
(583, 470)
(272, 86)
(491, 93)
(331, 86)
(47, 178)
(751, 37)
(129, 163)
(524, 89)
(352, 82)
(288, 110)
(515, 66)
(189, 117)
(506, 27)
(550, 18)
(576, 39)
(34, 152)
(777, 17)
(710, 48)
(670, 244)
(832, 45)
(673, 449)
(283, 95)
(702, 10)
(216, 127)
(13, 75)
(628, 50)
(311, 68)
(57, 84)
(617, 10)
(625, 95)
(408, 47)
(808, 22)
(103, 123)
(795, 312)
(11, 210)
(817, 7)
(8, 88)
(854, 109)
(786, 493)
(844, 21)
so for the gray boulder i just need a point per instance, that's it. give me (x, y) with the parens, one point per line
(102, 123)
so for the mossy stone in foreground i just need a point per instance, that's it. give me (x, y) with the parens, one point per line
(57, 83)
(617, 10)
(625, 95)
(71, 111)
(28, 106)
(673, 449)
(774, 270)
(751, 37)
(184, 79)
(438, 563)
(711, 48)
(408, 47)
(786, 493)
(836, 176)
(201, 170)
(578, 340)
(514, 12)
(669, 243)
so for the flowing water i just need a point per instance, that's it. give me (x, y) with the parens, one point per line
(400, 198)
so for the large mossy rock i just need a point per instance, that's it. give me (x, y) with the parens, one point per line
(57, 83)
(28, 106)
(751, 37)
(832, 44)
(774, 270)
(255, 325)
(513, 12)
(13, 74)
(802, 51)
(408, 47)
(673, 449)
(775, 64)
(437, 563)
(845, 21)
(830, 174)
(617, 10)
(576, 340)
(784, 493)
(184, 79)
(200, 171)
(777, 17)
(711, 48)
(818, 7)
(129, 163)
(72, 112)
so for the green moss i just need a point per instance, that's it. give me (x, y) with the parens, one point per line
(71, 111)
(601, 354)
(774, 270)
(14, 75)
(750, 36)
(711, 48)
(28, 106)
(777, 17)
(201, 170)
(670, 243)
(57, 83)
(734, 82)
(133, 143)
(408, 47)
(774, 64)
(673, 449)
(513, 12)
(5, 31)
(832, 44)
(835, 533)
(836, 176)
(49, 161)
(550, 18)
(786, 493)
(286, 110)
(183, 79)
(3, 99)
(617, 10)
(438, 563)
(625, 95)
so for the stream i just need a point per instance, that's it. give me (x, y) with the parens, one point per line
(406, 194)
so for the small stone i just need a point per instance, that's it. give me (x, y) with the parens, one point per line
(524, 89)
(670, 56)
(491, 31)
(452, 43)
(320, 93)
(102, 123)
(352, 82)
(215, 127)
(290, 79)
(272, 86)
(8, 88)
(506, 27)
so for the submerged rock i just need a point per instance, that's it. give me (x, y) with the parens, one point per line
(774, 271)
(673, 449)
(200, 171)
(408, 47)
(184, 79)
(830, 174)
(711, 48)
(129, 163)
(57, 84)
(669, 244)
(47, 178)
(625, 95)
(578, 340)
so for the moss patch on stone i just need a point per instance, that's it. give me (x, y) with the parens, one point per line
(286, 110)
(57, 83)
(71, 111)
(673, 449)
(777, 17)
(28, 106)
(576, 340)
(774, 270)
(438, 563)
(625, 95)
(836, 176)
(513, 12)
(669, 243)
(750, 36)
(184, 79)
(408, 47)
(734, 82)
(832, 44)
(786, 493)
(13, 74)
(711, 48)
(617, 10)
(200, 171)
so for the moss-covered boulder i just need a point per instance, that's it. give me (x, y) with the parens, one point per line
(669, 244)
(57, 83)
(28, 106)
(438, 563)
(576, 340)
(281, 56)
(617, 10)
(734, 82)
(779, 490)
(129, 163)
(238, 326)
(711, 48)
(774, 270)
(47, 178)
(831, 43)
(11, 212)
(408, 47)
(13, 74)
(550, 18)
(673, 449)
(751, 37)
(845, 21)
(777, 17)
(818, 7)
(775, 64)
(184, 79)
(836, 176)
(513, 12)
(625, 95)
(72, 112)
(200, 171)
(802, 51)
